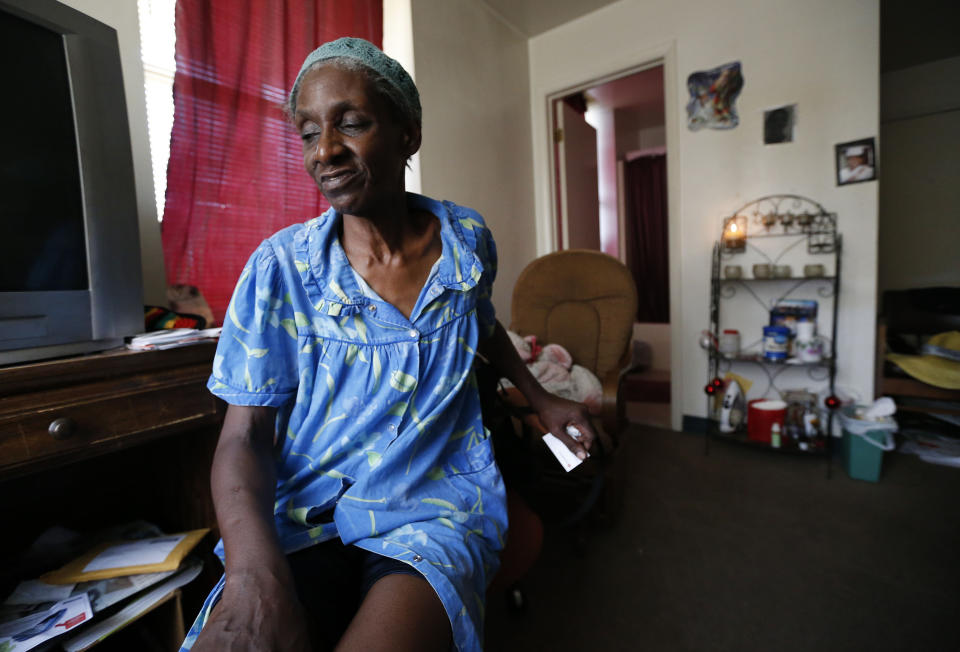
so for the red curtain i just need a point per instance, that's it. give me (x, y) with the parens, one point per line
(645, 179)
(235, 173)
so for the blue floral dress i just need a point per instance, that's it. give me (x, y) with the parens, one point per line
(378, 415)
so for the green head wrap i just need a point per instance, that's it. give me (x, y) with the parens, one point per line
(370, 56)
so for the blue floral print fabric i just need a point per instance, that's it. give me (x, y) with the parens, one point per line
(378, 415)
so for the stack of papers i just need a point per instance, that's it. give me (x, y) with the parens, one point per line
(44, 623)
(171, 338)
(99, 630)
(79, 594)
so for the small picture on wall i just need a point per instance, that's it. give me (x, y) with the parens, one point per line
(778, 124)
(856, 161)
(713, 95)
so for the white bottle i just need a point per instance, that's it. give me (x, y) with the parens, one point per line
(775, 435)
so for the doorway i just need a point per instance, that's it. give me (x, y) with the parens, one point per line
(611, 196)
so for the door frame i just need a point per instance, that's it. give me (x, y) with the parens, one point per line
(597, 71)
(558, 207)
(561, 190)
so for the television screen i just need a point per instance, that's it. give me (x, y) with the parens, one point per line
(70, 279)
(41, 215)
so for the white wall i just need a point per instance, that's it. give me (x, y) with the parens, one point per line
(631, 138)
(474, 86)
(122, 16)
(821, 54)
(919, 194)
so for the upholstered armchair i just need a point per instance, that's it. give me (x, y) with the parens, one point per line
(586, 301)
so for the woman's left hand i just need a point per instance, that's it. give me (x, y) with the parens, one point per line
(557, 414)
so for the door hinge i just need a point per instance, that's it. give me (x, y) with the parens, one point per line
(558, 135)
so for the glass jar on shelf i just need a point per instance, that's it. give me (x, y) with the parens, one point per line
(729, 345)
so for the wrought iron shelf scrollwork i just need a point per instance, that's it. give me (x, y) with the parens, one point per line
(758, 358)
(826, 285)
(785, 215)
(787, 279)
(753, 228)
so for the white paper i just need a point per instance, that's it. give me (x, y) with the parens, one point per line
(564, 455)
(104, 593)
(30, 631)
(35, 592)
(135, 553)
(171, 338)
(100, 630)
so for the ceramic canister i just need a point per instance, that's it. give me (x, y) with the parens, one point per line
(808, 346)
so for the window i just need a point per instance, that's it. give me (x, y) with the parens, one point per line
(157, 41)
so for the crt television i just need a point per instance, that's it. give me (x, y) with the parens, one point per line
(70, 279)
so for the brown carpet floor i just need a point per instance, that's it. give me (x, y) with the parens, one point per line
(747, 550)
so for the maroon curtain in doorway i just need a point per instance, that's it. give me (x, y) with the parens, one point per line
(235, 173)
(645, 179)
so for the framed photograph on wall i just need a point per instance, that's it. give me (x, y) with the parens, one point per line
(778, 124)
(856, 161)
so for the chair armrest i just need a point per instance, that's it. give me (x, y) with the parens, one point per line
(516, 400)
(613, 409)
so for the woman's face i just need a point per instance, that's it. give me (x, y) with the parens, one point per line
(353, 147)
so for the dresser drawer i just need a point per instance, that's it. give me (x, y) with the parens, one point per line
(94, 419)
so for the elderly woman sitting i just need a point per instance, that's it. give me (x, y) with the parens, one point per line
(354, 483)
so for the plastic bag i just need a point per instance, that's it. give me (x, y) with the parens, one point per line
(877, 433)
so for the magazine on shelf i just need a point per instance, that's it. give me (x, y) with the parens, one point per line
(47, 622)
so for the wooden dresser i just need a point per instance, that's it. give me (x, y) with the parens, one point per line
(97, 440)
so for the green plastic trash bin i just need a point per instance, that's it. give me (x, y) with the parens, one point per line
(864, 443)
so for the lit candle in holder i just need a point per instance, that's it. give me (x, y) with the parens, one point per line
(735, 233)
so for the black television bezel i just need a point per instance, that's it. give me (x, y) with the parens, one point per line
(37, 325)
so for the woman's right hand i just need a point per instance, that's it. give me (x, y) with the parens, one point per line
(259, 609)
(256, 612)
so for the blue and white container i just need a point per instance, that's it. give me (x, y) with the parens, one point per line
(776, 342)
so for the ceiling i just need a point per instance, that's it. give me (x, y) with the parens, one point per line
(534, 17)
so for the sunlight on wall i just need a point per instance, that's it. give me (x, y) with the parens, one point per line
(157, 39)
(602, 119)
(398, 43)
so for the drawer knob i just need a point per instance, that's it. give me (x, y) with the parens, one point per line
(62, 428)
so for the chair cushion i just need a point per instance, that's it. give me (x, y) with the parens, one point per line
(583, 300)
(575, 325)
